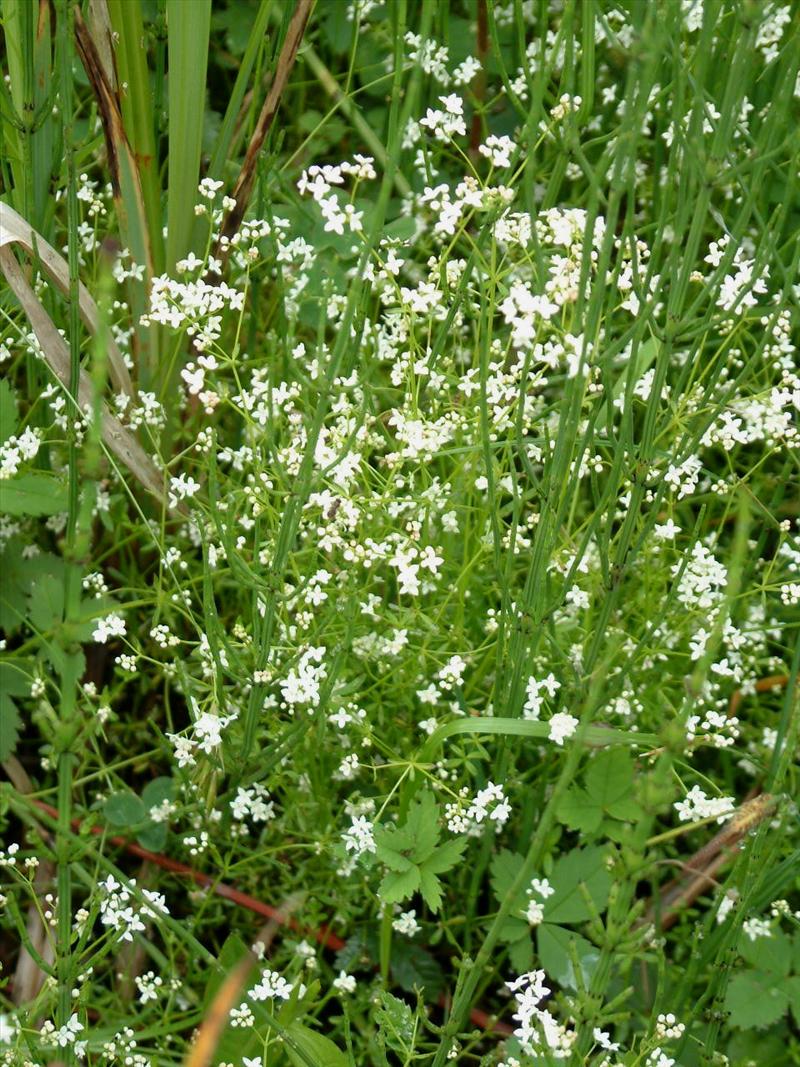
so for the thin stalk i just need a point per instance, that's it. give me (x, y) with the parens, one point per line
(69, 678)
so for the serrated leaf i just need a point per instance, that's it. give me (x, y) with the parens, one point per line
(770, 954)
(514, 929)
(8, 410)
(422, 825)
(124, 809)
(395, 1021)
(431, 888)
(414, 968)
(391, 841)
(35, 493)
(314, 1048)
(397, 886)
(609, 777)
(10, 724)
(579, 811)
(446, 855)
(581, 865)
(626, 810)
(521, 954)
(46, 602)
(792, 987)
(504, 869)
(71, 666)
(553, 943)
(755, 1000)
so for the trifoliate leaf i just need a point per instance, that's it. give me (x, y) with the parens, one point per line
(585, 866)
(579, 811)
(446, 855)
(754, 999)
(770, 954)
(35, 493)
(414, 968)
(399, 885)
(124, 809)
(555, 945)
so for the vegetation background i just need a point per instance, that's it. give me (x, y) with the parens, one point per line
(399, 532)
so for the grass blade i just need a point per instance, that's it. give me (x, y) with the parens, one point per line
(138, 117)
(188, 24)
(244, 184)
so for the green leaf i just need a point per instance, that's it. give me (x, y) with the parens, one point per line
(520, 954)
(792, 987)
(124, 809)
(157, 791)
(554, 945)
(755, 1000)
(504, 869)
(422, 825)
(414, 968)
(395, 1021)
(8, 410)
(188, 23)
(9, 725)
(314, 1048)
(770, 954)
(609, 777)
(582, 865)
(16, 675)
(399, 885)
(35, 493)
(446, 855)
(153, 836)
(431, 888)
(46, 603)
(579, 811)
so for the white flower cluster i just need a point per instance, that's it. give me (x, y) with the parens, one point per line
(360, 838)
(120, 912)
(195, 306)
(537, 1027)
(301, 686)
(16, 450)
(541, 888)
(272, 986)
(696, 805)
(252, 801)
(534, 700)
(489, 805)
(109, 626)
(318, 182)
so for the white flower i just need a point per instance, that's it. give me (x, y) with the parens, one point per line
(271, 986)
(110, 626)
(562, 726)
(360, 837)
(696, 805)
(344, 982)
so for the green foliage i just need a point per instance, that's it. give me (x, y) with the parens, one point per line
(35, 493)
(607, 793)
(414, 855)
(580, 882)
(763, 993)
